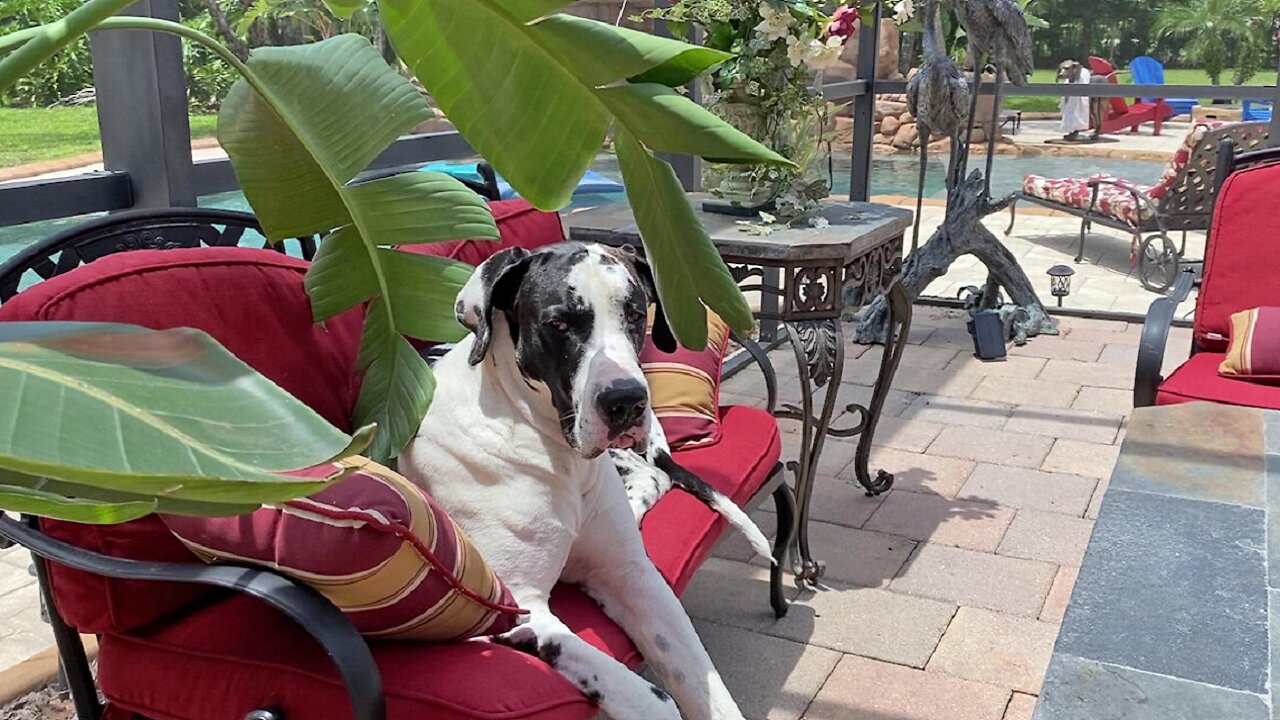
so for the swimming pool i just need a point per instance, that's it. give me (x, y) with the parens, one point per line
(890, 175)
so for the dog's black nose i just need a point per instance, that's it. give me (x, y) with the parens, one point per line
(623, 404)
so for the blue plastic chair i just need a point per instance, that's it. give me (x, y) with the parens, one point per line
(1257, 110)
(1146, 70)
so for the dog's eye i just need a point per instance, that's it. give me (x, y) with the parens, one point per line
(635, 317)
(558, 323)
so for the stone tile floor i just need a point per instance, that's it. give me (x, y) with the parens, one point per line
(942, 598)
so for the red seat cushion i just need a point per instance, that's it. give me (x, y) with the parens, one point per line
(680, 530)
(1243, 257)
(247, 656)
(238, 655)
(1198, 379)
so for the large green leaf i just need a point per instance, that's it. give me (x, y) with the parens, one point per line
(536, 98)
(688, 270)
(298, 129)
(154, 413)
(47, 504)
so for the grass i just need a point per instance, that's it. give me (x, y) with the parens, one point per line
(1183, 76)
(30, 135)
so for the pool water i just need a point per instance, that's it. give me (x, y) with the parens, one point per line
(890, 175)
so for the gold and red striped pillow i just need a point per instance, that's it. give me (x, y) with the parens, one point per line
(1254, 352)
(374, 544)
(684, 386)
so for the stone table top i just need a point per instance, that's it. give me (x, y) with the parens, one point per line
(1175, 614)
(855, 229)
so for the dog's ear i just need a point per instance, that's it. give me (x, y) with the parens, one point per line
(663, 339)
(493, 285)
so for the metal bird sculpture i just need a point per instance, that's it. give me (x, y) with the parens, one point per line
(938, 97)
(997, 32)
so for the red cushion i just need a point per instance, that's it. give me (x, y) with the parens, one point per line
(680, 530)
(238, 655)
(1243, 257)
(1198, 379)
(251, 301)
(520, 224)
(684, 386)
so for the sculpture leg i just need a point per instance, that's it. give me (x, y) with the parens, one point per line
(991, 137)
(924, 166)
(974, 91)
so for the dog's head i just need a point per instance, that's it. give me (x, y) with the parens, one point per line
(577, 316)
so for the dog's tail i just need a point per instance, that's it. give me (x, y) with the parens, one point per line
(717, 501)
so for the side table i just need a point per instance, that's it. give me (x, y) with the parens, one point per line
(808, 277)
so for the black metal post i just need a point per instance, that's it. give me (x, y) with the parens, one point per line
(1275, 105)
(864, 110)
(142, 108)
(688, 167)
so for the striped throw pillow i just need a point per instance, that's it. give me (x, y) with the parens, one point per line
(684, 386)
(374, 544)
(1254, 353)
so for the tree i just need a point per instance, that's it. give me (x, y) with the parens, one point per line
(1214, 29)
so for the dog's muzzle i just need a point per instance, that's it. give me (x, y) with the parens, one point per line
(623, 407)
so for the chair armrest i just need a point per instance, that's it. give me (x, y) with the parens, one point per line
(305, 606)
(761, 359)
(1155, 336)
(1138, 196)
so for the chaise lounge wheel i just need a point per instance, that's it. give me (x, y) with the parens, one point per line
(1158, 260)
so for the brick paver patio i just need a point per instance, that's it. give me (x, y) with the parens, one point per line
(942, 598)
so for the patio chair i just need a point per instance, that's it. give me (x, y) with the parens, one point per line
(1181, 200)
(1120, 114)
(1146, 70)
(180, 640)
(1240, 271)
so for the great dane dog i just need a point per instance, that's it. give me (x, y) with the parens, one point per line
(532, 417)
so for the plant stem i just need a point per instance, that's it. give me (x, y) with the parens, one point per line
(168, 26)
(38, 44)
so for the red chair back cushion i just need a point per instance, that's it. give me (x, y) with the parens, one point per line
(251, 301)
(1098, 66)
(521, 225)
(1243, 256)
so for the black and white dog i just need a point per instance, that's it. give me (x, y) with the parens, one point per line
(533, 416)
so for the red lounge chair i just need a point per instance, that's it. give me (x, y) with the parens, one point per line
(1240, 271)
(257, 645)
(1120, 114)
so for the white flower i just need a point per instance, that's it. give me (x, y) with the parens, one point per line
(825, 55)
(799, 51)
(775, 24)
(903, 11)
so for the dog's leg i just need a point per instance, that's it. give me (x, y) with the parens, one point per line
(608, 559)
(645, 484)
(620, 693)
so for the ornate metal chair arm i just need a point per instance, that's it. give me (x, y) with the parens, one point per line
(306, 607)
(761, 358)
(1155, 336)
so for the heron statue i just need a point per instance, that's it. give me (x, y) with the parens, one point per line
(998, 34)
(938, 97)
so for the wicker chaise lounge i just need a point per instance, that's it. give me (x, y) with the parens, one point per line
(1182, 199)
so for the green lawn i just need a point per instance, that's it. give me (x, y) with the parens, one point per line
(36, 134)
(1189, 76)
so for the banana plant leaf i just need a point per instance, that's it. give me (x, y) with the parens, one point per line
(152, 416)
(536, 95)
(298, 128)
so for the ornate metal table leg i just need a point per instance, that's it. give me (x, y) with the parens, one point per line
(899, 319)
(819, 350)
